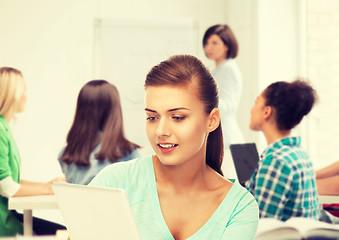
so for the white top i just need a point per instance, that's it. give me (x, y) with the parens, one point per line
(229, 81)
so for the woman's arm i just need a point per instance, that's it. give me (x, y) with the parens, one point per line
(28, 188)
(328, 186)
(329, 171)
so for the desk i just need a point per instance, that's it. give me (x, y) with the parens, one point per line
(27, 204)
(328, 199)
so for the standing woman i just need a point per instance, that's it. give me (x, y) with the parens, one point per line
(12, 100)
(284, 183)
(96, 138)
(221, 46)
(180, 193)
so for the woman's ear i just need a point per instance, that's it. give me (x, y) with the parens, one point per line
(268, 112)
(213, 120)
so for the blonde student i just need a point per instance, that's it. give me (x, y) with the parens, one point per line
(12, 101)
(180, 192)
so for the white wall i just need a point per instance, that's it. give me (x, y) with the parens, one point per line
(323, 70)
(51, 42)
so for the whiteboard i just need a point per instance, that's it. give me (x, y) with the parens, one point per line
(126, 49)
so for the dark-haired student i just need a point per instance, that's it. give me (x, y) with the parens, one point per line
(180, 192)
(284, 183)
(96, 138)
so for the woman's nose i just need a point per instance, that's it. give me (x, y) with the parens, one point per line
(163, 128)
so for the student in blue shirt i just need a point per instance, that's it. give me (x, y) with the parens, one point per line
(180, 192)
(96, 138)
(284, 182)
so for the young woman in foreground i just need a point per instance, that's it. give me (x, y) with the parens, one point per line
(180, 193)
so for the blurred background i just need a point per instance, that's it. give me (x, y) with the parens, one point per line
(60, 45)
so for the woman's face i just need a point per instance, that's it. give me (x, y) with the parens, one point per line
(215, 48)
(258, 113)
(176, 123)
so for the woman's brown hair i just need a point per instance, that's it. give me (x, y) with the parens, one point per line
(98, 120)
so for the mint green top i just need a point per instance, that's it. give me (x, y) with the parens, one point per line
(9, 166)
(235, 218)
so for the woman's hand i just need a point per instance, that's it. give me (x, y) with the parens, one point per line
(59, 179)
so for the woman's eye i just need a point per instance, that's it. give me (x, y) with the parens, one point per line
(151, 118)
(177, 118)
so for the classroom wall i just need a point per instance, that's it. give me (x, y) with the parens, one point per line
(323, 70)
(52, 43)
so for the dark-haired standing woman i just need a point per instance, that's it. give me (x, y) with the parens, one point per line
(221, 46)
(284, 182)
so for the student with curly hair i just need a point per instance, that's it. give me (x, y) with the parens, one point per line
(284, 182)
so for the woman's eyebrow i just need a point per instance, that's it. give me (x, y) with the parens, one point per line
(170, 110)
(176, 109)
(150, 110)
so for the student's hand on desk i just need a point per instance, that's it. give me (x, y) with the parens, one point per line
(49, 184)
(59, 179)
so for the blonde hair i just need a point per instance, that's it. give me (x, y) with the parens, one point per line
(12, 86)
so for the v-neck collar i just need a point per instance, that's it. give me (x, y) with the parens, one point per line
(158, 213)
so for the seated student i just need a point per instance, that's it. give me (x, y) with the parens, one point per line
(179, 192)
(328, 179)
(284, 181)
(13, 100)
(96, 138)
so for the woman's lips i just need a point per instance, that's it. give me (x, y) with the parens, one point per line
(167, 147)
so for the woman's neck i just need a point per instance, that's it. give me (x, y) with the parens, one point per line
(8, 117)
(272, 135)
(184, 176)
(218, 62)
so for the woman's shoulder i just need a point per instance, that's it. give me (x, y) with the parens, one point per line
(134, 162)
(120, 173)
(3, 124)
(239, 198)
(238, 191)
(228, 67)
(229, 64)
